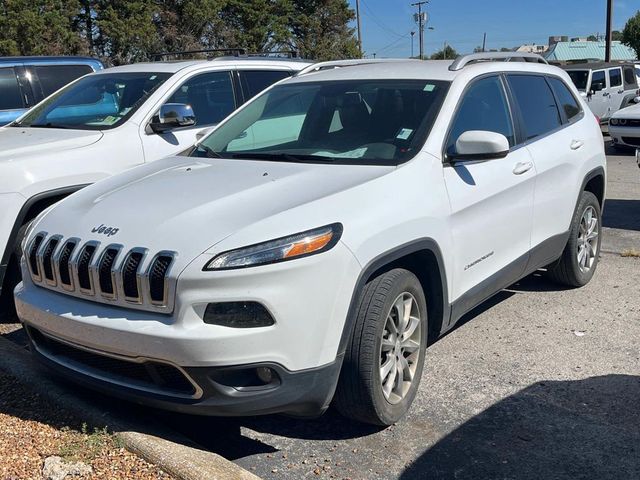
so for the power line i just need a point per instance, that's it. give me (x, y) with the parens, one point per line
(377, 21)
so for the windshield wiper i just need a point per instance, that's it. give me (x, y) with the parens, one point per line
(209, 151)
(284, 157)
(48, 125)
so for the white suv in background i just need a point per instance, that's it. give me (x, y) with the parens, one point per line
(109, 121)
(319, 238)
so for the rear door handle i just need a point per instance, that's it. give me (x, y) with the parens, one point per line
(576, 144)
(522, 167)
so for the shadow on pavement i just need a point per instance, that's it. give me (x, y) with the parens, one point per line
(623, 214)
(584, 429)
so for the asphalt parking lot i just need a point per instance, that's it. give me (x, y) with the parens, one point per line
(539, 382)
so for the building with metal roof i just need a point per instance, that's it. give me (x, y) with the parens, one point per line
(593, 51)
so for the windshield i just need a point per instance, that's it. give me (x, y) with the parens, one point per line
(95, 102)
(579, 78)
(356, 122)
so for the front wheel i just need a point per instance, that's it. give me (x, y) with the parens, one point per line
(385, 357)
(579, 260)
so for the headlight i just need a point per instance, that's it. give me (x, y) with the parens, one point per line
(613, 121)
(299, 245)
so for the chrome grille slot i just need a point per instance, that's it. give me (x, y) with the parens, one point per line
(64, 266)
(105, 271)
(131, 277)
(83, 263)
(33, 256)
(47, 260)
(157, 277)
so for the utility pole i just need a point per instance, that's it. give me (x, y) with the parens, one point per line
(607, 50)
(359, 30)
(412, 35)
(420, 18)
(484, 42)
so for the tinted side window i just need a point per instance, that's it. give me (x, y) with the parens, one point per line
(615, 77)
(567, 101)
(254, 81)
(537, 105)
(598, 77)
(629, 76)
(10, 95)
(54, 77)
(483, 107)
(209, 94)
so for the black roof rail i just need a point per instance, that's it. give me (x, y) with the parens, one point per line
(236, 52)
(275, 53)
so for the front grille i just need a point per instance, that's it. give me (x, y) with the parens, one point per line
(635, 141)
(108, 274)
(84, 260)
(147, 375)
(33, 255)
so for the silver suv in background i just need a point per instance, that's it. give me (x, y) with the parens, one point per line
(607, 87)
(25, 81)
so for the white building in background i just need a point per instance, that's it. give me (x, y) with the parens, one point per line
(533, 48)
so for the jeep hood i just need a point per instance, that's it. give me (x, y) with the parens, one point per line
(188, 205)
(18, 142)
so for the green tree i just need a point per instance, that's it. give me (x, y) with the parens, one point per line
(631, 33)
(447, 53)
(320, 29)
(616, 36)
(40, 27)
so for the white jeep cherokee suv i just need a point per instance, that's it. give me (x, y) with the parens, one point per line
(109, 121)
(319, 238)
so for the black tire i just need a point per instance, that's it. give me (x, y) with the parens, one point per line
(11, 278)
(567, 270)
(359, 395)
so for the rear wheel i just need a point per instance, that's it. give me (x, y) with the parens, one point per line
(385, 357)
(579, 259)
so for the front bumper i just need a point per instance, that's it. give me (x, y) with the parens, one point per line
(308, 298)
(625, 136)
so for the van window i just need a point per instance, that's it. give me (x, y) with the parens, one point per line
(537, 104)
(10, 95)
(567, 101)
(54, 77)
(254, 81)
(598, 77)
(615, 77)
(209, 94)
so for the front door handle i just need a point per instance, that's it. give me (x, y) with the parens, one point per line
(522, 167)
(576, 144)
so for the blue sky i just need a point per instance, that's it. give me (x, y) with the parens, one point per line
(386, 23)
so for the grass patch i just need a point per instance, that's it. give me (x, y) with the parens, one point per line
(87, 445)
(630, 253)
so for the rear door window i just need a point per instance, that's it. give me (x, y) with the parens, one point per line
(255, 81)
(10, 94)
(53, 77)
(615, 77)
(537, 104)
(567, 101)
(209, 94)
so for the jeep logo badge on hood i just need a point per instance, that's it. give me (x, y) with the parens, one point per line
(104, 230)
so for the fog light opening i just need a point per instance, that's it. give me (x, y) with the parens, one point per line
(265, 374)
(238, 315)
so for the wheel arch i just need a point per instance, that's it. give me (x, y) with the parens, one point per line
(594, 182)
(423, 258)
(30, 209)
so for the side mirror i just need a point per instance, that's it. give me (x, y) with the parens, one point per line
(173, 115)
(480, 145)
(597, 87)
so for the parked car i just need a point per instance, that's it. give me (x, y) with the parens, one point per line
(109, 121)
(25, 81)
(624, 128)
(318, 238)
(607, 87)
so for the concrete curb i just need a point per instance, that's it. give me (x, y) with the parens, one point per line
(168, 450)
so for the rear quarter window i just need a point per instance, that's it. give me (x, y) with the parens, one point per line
(567, 101)
(10, 94)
